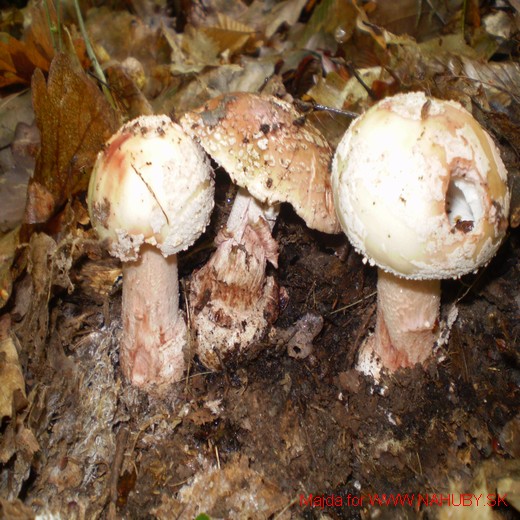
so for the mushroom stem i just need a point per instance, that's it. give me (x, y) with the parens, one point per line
(154, 332)
(406, 323)
(233, 300)
(247, 209)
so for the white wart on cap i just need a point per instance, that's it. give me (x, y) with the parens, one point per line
(420, 188)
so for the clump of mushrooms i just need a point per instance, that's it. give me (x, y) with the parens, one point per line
(274, 156)
(420, 191)
(150, 197)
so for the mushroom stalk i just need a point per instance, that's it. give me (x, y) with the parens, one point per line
(232, 298)
(150, 196)
(421, 192)
(268, 150)
(406, 323)
(247, 209)
(154, 330)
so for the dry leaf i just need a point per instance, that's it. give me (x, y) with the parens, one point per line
(420, 20)
(15, 509)
(229, 35)
(12, 389)
(20, 58)
(127, 95)
(236, 488)
(500, 81)
(333, 17)
(191, 51)
(13, 194)
(8, 245)
(18, 446)
(380, 35)
(40, 203)
(18, 61)
(74, 120)
(19, 145)
(269, 20)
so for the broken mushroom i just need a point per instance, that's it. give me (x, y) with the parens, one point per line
(150, 197)
(420, 191)
(274, 156)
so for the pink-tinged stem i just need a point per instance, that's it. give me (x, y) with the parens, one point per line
(154, 332)
(407, 322)
(232, 299)
(246, 209)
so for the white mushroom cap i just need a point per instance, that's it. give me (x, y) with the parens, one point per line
(420, 188)
(151, 184)
(266, 148)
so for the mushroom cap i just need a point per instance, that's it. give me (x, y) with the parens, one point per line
(420, 188)
(269, 149)
(151, 184)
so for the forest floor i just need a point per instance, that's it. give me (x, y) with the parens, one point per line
(277, 437)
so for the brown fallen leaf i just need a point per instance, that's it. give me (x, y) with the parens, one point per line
(74, 120)
(229, 35)
(18, 447)
(333, 17)
(12, 389)
(18, 61)
(8, 247)
(15, 509)
(127, 95)
(233, 491)
(20, 58)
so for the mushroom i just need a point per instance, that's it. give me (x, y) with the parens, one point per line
(274, 156)
(150, 196)
(420, 191)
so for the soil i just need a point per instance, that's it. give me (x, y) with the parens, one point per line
(281, 436)
(278, 437)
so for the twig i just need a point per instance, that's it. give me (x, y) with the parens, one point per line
(190, 334)
(353, 304)
(286, 508)
(121, 438)
(92, 55)
(419, 461)
(355, 73)
(317, 107)
(217, 456)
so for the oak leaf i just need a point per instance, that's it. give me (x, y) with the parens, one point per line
(36, 48)
(74, 120)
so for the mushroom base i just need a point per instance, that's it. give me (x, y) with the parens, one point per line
(232, 336)
(154, 331)
(406, 324)
(232, 300)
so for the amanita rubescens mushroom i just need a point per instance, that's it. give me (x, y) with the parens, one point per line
(420, 191)
(150, 197)
(274, 156)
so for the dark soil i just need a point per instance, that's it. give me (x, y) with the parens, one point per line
(278, 428)
(279, 437)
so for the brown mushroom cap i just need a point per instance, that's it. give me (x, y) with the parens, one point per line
(266, 147)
